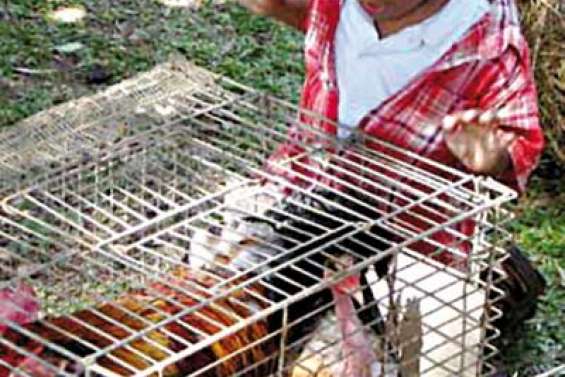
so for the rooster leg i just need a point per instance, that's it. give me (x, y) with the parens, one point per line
(359, 356)
(357, 349)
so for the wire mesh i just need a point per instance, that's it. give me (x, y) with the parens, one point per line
(161, 239)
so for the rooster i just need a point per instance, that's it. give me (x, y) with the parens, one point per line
(300, 224)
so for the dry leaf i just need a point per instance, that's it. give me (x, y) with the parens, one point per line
(181, 3)
(69, 48)
(68, 15)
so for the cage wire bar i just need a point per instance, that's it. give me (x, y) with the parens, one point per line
(158, 241)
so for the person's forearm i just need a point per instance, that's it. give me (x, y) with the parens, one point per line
(290, 12)
(260, 7)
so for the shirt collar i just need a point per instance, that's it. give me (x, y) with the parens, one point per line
(450, 19)
(431, 32)
(364, 24)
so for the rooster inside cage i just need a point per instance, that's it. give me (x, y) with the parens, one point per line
(161, 238)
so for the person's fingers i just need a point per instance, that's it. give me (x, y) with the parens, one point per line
(450, 123)
(462, 121)
(491, 139)
(488, 118)
(475, 139)
(470, 116)
(505, 138)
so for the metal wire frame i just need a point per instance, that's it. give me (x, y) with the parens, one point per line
(105, 264)
(116, 271)
(129, 210)
(86, 124)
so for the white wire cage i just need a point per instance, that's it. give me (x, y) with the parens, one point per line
(158, 241)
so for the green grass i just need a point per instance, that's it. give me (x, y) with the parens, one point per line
(120, 41)
(121, 38)
(540, 231)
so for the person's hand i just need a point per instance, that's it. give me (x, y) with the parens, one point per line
(475, 138)
(290, 12)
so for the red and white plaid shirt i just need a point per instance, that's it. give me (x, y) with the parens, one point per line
(488, 68)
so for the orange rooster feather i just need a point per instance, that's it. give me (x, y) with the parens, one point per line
(133, 312)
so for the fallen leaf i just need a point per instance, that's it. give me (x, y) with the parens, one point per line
(181, 3)
(68, 15)
(560, 279)
(69, 48)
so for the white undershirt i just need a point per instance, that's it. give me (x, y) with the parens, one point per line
(370, 69)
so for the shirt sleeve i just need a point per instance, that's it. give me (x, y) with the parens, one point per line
(510, 88)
